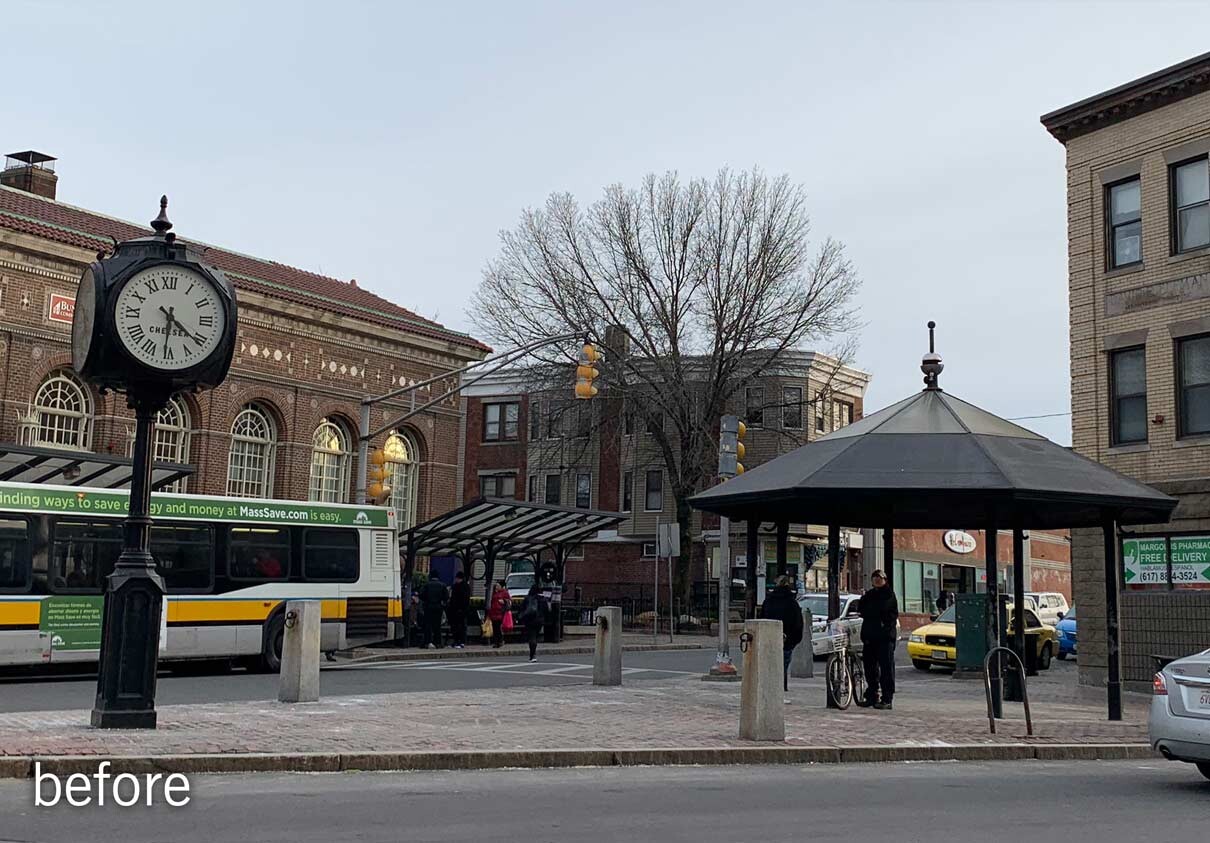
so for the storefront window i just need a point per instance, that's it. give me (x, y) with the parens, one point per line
(931, 587)
(912, 599)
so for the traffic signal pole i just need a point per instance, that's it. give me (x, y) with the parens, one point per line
(730, 451)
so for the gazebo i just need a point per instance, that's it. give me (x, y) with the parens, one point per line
(936, 461)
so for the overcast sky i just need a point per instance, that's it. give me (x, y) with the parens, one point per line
(391, 142)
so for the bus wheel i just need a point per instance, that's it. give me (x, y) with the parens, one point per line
(275, 634)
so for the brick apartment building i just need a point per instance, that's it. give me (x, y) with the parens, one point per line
(284, 424)
(1138, 196)
(593, 454)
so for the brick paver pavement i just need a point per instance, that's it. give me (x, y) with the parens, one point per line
(680, 712)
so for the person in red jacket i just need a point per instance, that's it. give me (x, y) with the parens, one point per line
(500, 605)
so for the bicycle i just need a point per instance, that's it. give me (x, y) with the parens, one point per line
(844, 674)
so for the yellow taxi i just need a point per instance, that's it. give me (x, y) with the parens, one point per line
(936, 643)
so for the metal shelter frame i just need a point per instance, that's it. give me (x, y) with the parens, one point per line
(59, 467)
(489, 528)
(935, 461)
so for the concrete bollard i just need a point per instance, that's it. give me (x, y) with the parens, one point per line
(299, 681)
(607, 657)
(761, 709)
(802, 660)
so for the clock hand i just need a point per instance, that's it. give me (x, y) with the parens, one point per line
(167, 328)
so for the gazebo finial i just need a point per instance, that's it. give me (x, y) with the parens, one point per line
(931, 365)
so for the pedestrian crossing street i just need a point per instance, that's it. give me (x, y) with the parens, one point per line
(568, 670)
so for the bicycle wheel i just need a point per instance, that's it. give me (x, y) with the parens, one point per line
(840, 684)
(858, 674)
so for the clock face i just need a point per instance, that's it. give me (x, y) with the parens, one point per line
(169, 317)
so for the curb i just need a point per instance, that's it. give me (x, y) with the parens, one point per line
(373, 656)
(321, 762)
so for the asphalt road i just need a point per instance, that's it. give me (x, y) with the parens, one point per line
(41, 691)
(1097, 802)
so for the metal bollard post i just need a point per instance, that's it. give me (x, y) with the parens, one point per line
(299, 681)
(761, 710)
(802, 662)
(607, 656)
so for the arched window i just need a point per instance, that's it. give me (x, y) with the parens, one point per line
(402, 454)
(62, 414)
(171, 443)
(250, 461)
(330, 463)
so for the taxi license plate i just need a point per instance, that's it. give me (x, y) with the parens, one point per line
(940, 654)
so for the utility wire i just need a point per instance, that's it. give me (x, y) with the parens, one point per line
(1046, 416)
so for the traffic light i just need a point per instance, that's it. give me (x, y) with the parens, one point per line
(731, 446)
(586, 371)
(377, 488)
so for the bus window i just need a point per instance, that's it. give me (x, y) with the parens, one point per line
(14, 554)
(84, 554)
(183, 556)
(260, 553)
(330, 555)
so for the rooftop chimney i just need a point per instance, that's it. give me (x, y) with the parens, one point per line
(33, 172)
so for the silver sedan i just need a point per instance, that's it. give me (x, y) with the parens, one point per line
(1180, 711)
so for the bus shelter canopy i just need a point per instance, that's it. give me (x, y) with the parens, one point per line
(57, 467)
(510, 527)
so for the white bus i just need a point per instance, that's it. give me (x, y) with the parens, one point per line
(228, 565)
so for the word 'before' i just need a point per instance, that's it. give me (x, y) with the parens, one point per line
(79, 790)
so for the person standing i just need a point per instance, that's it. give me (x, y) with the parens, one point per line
(459, 609)
(879, 630)
(500, 604)
(943, 600)
(434, 596)
(533, 617)
(781, 605)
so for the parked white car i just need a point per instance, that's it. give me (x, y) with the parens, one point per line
(1049, 606)
(1180, 711)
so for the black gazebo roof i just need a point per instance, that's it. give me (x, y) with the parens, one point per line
(935, 461)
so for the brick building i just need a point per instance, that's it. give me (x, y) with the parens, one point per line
(595, 454)
(1138, 196)
(284, 423)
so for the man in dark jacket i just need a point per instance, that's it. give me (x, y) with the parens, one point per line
(459, 609)
(879, 630)
(781, 606)
(433, 597)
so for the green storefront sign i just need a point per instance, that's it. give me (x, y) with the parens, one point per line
(114, 504)
(1146, 561)
(72, 622)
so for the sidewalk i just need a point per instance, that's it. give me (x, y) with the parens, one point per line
(581, 641)
(682, 720)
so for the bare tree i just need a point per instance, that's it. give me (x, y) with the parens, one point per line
(690, 288)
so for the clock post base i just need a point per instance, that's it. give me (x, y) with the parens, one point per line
(134, 604)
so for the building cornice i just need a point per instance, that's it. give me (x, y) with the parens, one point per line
(1140, 96)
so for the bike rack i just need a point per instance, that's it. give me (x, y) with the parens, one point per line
(987, 686)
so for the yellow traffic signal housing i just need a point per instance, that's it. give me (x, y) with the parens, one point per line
(586, 372)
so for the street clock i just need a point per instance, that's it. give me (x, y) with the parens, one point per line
(151, 320)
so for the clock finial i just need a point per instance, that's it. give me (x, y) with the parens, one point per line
(161, 223)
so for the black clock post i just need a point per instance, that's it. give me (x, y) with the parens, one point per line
(163, 337)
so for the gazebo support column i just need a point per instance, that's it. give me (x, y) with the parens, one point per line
(993, 617)
(833, 589)
(1012, 687)
(753, 560)
(1113, 663)
(888, 557)
(783, 537)
(1019, 592)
